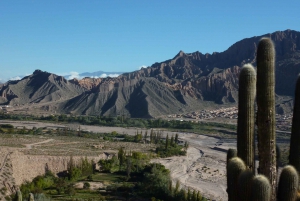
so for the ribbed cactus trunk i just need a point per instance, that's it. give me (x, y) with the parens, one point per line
(266, 111)
(245, 128)
(294, 157)
(288, 184)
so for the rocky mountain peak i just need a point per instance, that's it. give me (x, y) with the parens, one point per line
(182, 83)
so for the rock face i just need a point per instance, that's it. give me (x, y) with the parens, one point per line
(26, 167)
(181, 84)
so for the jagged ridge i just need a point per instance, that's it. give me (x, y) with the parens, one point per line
(176, 85)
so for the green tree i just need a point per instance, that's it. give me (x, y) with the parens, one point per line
(128, 167)
(186, 145)
(145, 136)
(199, 196)
(172, 141)
(194, 196)
(176, 190)
(86, 166)
(71, 166)
(189, 194)
(156, 182)
(167, 142)
(121, 157)
(176, 138)
(86, 185)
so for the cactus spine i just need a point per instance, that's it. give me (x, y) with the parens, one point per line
(234, 168)
(266, 111)
(294, 158)
(288, 184)
(245, 129)
(261, 189)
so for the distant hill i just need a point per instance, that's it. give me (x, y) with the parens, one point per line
(187, 82)
(40, 87)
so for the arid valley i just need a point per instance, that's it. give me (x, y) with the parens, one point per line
(203, 168)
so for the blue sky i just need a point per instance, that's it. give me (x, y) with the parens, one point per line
(63, 36)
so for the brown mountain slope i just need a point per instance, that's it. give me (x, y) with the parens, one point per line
(181, 84)
(38, 88)
(144, 97)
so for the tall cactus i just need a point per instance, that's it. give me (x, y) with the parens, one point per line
(263, 186)
(261, 189)
(234, 167)
(288, 184)
(266, 111)
(294, 158)
(245, 128)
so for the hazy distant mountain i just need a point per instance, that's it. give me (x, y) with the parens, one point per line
(184, 83)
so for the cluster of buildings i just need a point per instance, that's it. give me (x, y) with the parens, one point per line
(4, 108)
(230, 112)
(283, 122)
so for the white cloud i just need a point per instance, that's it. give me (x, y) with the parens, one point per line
(103, 75)
(143, 66)
(108, 75)
(74, 75)
(15, 78)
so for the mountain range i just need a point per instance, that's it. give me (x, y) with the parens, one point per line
(187, 82)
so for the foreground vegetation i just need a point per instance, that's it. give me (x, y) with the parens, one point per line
(126, 176)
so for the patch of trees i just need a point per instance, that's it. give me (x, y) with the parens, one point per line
(171, 148)
(59, 185)
(118, 121)
(138, 179)
(150, 180)
(126, 162)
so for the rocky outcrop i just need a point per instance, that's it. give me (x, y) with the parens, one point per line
(87, 83)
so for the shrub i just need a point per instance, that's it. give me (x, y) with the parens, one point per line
(86, 185)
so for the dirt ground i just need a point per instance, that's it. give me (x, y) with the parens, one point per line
(203, 169)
